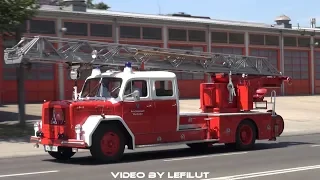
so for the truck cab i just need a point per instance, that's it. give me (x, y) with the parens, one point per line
(147, 101)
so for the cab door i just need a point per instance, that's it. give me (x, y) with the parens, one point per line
(138, 114)
(166, 105)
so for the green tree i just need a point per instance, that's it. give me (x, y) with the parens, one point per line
(13, 13)
(100, 5)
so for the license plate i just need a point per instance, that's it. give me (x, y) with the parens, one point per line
(51, 148)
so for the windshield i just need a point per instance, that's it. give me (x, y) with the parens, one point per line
(107, 87)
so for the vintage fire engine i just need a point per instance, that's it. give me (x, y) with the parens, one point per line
(139, 105)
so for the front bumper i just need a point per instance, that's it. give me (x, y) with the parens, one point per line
(73, 143)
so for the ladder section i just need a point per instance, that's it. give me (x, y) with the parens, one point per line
(94, 53)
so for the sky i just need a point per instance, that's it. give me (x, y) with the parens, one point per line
(264, 11)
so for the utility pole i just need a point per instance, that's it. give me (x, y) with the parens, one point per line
(20, 84)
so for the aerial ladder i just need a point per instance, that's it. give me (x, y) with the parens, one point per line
(233, 71)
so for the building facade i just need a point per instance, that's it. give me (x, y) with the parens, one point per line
(293, 51)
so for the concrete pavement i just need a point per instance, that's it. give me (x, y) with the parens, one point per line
(301, 115)
(292, 157)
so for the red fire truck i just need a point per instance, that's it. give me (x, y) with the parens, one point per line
(139, 105)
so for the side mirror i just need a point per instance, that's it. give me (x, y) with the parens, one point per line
(136, 95)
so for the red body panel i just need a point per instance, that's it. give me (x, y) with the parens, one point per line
(165, 116)
(224, 127)
(139, 116)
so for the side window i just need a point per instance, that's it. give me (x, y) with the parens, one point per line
(164, 88)
(140, 85)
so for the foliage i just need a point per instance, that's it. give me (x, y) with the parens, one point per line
(13, 13)
(100, 5)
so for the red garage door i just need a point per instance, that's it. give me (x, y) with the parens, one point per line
(296, 65)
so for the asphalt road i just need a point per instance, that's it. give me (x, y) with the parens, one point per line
(293, 157)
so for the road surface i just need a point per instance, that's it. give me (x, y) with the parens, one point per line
(294, 158)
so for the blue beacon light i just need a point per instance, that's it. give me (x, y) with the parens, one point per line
(128, 65)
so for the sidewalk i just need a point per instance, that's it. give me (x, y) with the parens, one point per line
(301, 115)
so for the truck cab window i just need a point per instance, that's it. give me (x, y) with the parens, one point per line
(89, 87)
(107, 87)
(140, 85)
(163, 88)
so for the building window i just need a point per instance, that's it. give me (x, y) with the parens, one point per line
(184, 75)
(303, 42)
(219, 37)
(290, 41)
(152, 33)
(256, 39)
(236, 38)
(177, 35)
(296, 64)
(9, 70)
(42, 27)
(130, 32)
(23, 27)
(317, 65)
(76, 29)
(228, 50)
(101, 30)
(271, 54)
(197, 36)
(41, 71)
(272, 40)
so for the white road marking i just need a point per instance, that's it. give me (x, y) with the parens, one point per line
(315, 145)
(207, 156)
(265, 173)
(30, 173)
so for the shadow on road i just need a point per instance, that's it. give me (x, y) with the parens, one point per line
(174, 153)
(13, 132)
(6, 116)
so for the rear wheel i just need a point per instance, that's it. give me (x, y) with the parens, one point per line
(245, 136)
(108, 144)
(64, 153)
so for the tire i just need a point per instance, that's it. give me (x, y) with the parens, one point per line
(64, 153)
(245, 135)
(104, 136)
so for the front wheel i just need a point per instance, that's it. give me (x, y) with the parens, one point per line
(64, 153)
(108, 143)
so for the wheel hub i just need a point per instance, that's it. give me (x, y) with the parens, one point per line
(110, 143)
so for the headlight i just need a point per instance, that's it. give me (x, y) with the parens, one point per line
(77, 128)
(36, 126)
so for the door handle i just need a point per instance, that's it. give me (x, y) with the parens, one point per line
(173, 105)
(149, 105)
